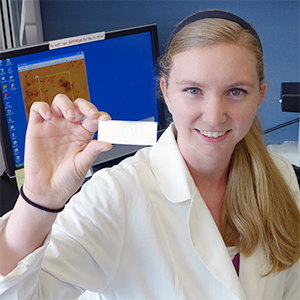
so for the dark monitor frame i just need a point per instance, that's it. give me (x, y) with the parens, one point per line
(118, 151)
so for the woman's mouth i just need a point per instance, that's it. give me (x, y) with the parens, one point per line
(212, 134)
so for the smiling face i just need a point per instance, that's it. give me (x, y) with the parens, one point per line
(213, 94)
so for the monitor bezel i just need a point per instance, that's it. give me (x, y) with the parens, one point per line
(14, 52)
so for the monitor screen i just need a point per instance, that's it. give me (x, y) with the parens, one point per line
(114, 70)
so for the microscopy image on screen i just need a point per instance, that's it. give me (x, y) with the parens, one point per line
(42, 81)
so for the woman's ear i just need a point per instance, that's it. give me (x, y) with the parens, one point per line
(263, 91)
(163, 87)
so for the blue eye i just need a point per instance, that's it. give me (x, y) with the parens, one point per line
(193, 91)
(236, 92)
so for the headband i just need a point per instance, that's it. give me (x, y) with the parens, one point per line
(215, 14)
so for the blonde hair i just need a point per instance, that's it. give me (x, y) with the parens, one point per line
(208, 32)
(259, 209)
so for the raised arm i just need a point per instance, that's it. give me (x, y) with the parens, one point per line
(59, 150)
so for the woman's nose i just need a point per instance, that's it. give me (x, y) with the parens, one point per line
(214, 111)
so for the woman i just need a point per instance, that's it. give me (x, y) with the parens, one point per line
(197, 216)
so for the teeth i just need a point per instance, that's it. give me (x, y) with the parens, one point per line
(213, 134)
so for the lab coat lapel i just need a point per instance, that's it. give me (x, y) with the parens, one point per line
(170, 169)
(209, 246)
(177, 185)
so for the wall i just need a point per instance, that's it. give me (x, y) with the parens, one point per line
(277, 22)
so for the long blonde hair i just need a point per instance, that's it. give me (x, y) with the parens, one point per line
(259, 209)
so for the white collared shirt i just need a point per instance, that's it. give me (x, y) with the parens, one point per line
(141, 230)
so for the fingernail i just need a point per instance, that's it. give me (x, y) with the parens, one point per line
(104, 117)
(70, 113)
(48, 115)
(92, 111)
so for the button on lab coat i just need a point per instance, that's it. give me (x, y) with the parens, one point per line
(141, 230)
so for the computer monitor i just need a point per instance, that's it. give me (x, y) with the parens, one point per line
(115, 70)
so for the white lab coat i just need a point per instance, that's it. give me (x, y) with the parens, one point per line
(141, 230)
